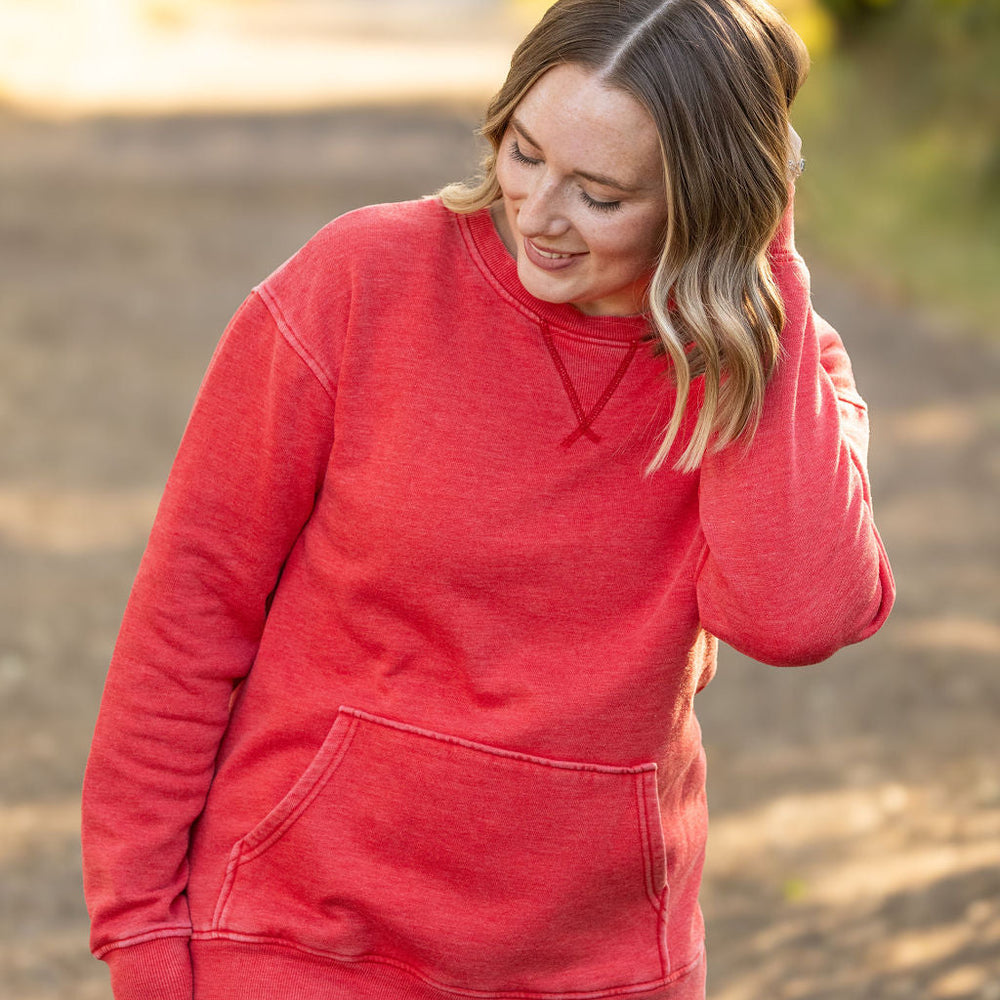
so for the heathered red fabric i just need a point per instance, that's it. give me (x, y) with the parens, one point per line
(402, 701)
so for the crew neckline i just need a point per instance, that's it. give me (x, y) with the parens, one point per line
(500, 266)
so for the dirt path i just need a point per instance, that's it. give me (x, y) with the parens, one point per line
(856, 806)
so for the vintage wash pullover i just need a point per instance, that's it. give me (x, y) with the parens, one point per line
(401, 707)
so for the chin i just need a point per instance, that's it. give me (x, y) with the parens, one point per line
(542, 289)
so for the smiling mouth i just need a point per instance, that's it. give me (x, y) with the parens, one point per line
(550, 254)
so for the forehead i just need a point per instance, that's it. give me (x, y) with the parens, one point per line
(573, 114)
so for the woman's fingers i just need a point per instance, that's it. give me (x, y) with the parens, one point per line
(796, 164)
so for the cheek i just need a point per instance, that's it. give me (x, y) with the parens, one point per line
(620, 246)
(646, 249)
(511, 184)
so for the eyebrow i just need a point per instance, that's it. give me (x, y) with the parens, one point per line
(601, 179)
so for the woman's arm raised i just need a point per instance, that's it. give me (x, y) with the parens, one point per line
(243, 485)
(794, 568)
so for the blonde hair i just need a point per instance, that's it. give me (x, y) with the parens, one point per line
(718, 78)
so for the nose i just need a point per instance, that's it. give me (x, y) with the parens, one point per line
(540, 213)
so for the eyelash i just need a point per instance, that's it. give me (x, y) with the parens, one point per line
(518, 155)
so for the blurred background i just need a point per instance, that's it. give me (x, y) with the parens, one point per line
(159, 157)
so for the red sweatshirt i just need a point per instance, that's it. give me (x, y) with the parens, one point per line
(401, 707)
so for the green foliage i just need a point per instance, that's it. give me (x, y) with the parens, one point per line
(936, 64)
(852, 16)
(903, 124)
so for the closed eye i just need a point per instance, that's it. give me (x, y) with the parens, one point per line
(520, 156)
(517, 154)
(600, 206)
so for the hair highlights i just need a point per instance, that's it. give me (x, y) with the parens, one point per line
(718, 78)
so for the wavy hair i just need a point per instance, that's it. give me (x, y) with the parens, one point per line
(718, 78)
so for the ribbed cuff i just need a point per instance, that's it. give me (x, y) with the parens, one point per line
(154, 970)
(783, 240)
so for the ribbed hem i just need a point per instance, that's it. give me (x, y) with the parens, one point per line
(154, 970)
(228, 970)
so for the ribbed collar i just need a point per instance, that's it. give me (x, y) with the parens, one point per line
(500, 267)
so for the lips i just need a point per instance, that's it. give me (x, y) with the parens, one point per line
(549, 260)
(551, 253)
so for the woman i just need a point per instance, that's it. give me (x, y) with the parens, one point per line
(402, 704)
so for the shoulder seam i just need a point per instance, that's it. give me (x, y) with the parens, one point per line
(294, 341)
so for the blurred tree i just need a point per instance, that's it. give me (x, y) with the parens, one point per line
(938, 63)
(852, 16)
(902, 118)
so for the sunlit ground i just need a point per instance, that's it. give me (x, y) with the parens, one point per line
(78, 56)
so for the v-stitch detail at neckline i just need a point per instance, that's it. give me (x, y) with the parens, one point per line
(585, 419)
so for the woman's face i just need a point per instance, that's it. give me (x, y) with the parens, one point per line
(584, 208)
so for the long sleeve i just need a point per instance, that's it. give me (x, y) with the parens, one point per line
(794, 568)
(241, 489)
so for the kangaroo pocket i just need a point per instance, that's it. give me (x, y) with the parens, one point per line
(474, 867)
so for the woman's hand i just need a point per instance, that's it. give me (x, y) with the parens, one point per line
(795, 162)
